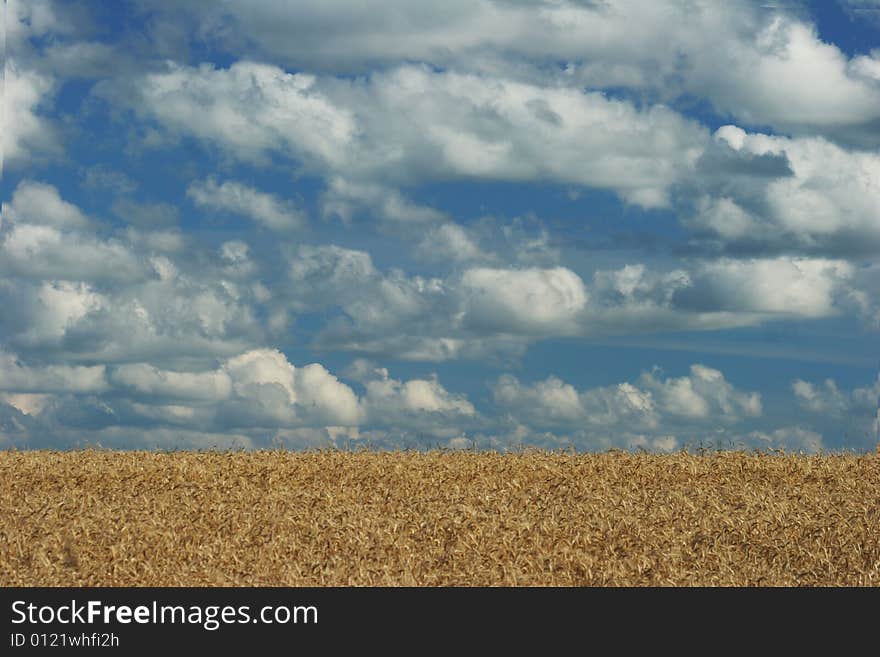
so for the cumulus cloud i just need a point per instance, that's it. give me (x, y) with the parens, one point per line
(790, 439)
(283, 392)
(250, 109)
(41, 252)
(412, 124)
(25, 132)
(345, 199)
(853, 415)
(763, 65)
(703, 396)
(450, 242)
(798, 287)
(711, 294)
(237, 198)
(42, 236)
(258, 393)
(825, 201)
(149, 380)
(828, 398)
(523, 300)
(421, 405)
(18, 377)
(422, 119)
(483, 310)
(477, 313)
(38, 203)
(90, 295)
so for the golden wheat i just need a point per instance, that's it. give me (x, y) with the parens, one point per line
(439, 518)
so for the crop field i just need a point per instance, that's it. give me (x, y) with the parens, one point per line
(437, 518)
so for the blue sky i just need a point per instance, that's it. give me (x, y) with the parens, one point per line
(498, 223)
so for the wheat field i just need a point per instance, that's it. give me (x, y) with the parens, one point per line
(275, 518)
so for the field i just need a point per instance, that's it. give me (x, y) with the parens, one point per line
(437, 518)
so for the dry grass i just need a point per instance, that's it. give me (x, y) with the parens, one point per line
(407, 518)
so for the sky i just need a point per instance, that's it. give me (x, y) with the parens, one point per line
(484, 224)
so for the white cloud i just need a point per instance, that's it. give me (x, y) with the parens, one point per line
(829, 399)
(249, 108)
(344, 198)
(420, 395)
(787, 77)
(235, 197)
(18, 377)
(62, 305)
(791, 439)
(703, 394)
(489, 311)
(763, 65)
(41, 204)
(543, 301)
(423, 406)
(411, 124)
(42, 252)
(796, 287)
(44, 237)
(149, 380)
(260, 386)
(450, 242)
(651, 404)
(828, 203)
(95, 297)
(24, 132)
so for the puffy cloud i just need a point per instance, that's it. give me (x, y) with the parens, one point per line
(62, 305)
(417, 395)
(852, 414)
(91, 296)
(149, 380)
(422, 406)
(705, 393)
(786, 76)
(791, 439)
(235, 197)
(42, 236)
(827, 398)
(345, 198)
(523, 301)
(18, 377)
(798, 287)
(763, 67)
(24, 131)
(260, 386)
(450, 242)
(40, 204)
(551, 401)
(704, 396)
(249, 108)
(712, 294)
(412, 124)
(41, 252)
(826, 202)
(492, 311)
(480, 312)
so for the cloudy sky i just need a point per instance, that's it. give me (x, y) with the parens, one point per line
(469, 223)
